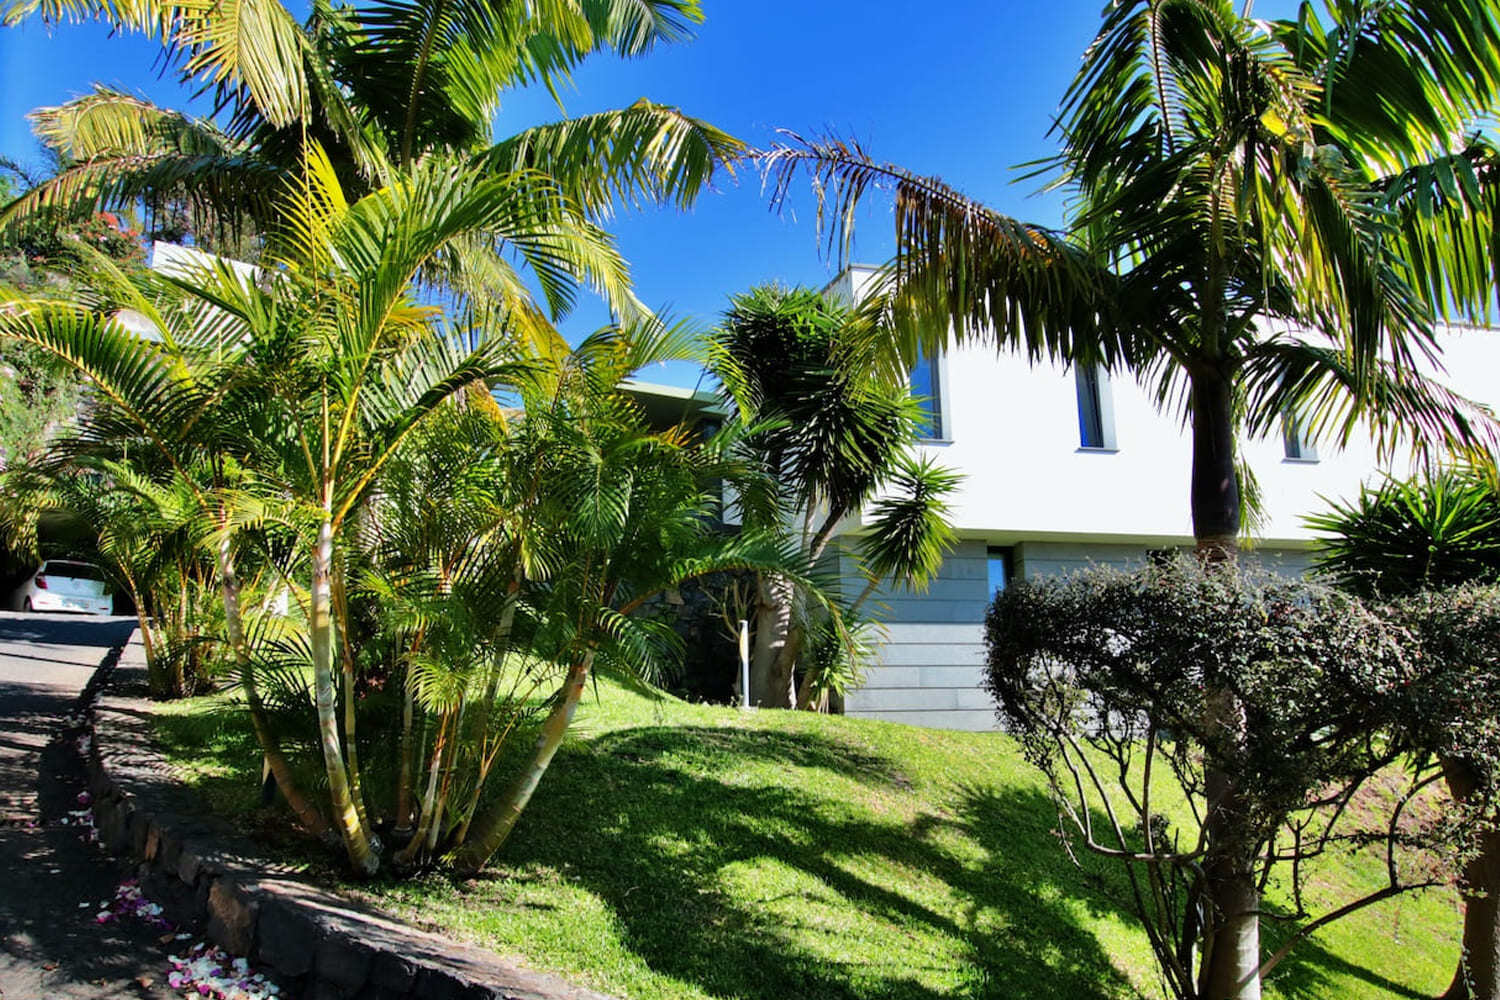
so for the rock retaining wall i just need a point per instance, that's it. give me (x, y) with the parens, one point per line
(318, 944)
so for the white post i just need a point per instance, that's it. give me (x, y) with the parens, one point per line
(744, 663)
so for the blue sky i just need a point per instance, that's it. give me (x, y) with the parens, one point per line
(964, 90)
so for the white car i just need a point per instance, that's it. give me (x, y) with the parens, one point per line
(62, 585)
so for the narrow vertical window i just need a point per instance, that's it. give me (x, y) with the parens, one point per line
(927, 388)
(1095, 421)
(998, 564)
(1297, 446)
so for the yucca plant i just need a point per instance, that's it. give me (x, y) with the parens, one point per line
(1405, 536)
(831, 431)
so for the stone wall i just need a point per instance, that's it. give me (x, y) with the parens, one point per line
(316, 943)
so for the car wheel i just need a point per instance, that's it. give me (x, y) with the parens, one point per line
(26, 607)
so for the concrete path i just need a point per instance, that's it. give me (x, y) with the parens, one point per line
(51, 879)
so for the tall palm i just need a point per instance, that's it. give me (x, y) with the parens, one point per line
(376, 85)
(1267, 219)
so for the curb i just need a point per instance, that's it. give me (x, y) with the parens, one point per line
(318, 944)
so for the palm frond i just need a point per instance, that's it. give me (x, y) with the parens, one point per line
(960, 266)
(908, 531)
(646, 152)
(1397, 404)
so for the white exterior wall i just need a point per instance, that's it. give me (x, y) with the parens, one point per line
(1012, 429)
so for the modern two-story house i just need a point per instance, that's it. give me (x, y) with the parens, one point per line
(1065, 468)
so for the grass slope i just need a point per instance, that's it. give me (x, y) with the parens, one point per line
(683, 851)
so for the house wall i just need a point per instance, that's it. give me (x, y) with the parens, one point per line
(930, 666)
(930, 670)
(1012, 429)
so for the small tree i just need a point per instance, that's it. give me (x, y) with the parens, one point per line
(1453, 712)
(1428, 543)
(1113, 682)
(832, 430)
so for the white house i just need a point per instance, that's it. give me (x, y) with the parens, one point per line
(1064, 469)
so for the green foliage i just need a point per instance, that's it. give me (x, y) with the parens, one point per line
(1453, 708)
(1117, 684)
(331, 432)
(37, 395)
(830, 431)
(378, 86)
(1266, 218)
(1408, 536)
(909, 532)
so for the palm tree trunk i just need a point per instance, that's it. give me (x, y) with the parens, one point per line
(1478, 974)
(486, 709)
(425, 815)
(784, 666)
(179, 672)
(307, 813)
(1231, 954)
(773, 624)
(1215, 490)
(404, 777)
(142, 618)
(808, 698)
(495, 826)
(1231, 959)
(402, 819)
(340, 609)
(445, 788)
(346, 817)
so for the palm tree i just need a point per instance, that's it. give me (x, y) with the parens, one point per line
(376, 85)
(316, 375)
(156, 400)
(831, 430)
(626, 513)
(1235, 183)
(906, 535)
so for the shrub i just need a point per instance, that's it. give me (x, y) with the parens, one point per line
(1206, 727)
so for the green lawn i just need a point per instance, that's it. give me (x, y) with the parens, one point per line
(684, 851)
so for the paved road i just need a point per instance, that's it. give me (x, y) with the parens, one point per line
(50, 944)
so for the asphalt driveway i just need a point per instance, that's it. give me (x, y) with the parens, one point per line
(51, 878)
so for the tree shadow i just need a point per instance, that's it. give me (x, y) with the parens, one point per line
(1309, 971)
(666, 829)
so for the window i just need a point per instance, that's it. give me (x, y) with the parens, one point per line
(998, 563)
(927, 387)
(1297, 446)
(1096, 424)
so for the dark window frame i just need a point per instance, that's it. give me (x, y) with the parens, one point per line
(932, 399)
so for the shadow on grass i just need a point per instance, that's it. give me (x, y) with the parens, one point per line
(972, 893)
(1310, 971)
(665, 827)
